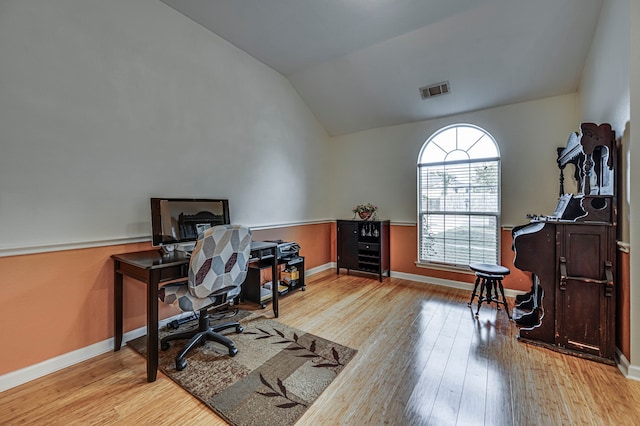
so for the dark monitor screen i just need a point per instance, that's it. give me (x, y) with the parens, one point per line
(179, 220)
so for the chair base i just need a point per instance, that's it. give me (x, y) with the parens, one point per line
(198, 337)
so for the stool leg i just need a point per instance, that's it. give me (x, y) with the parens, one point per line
(483, 288)
(475, 287)
(494, 293)
(504, 299)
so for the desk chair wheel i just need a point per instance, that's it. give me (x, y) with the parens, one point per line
(180, 365)
(233, 351)
(165, 346)
(239, 329)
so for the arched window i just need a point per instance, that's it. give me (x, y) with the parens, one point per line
(459, 197)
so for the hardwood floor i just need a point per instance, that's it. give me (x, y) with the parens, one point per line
(423, 360)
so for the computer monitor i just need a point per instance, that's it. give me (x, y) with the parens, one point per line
(178, 222)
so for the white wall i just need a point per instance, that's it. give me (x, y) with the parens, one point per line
(610, 92)
(379, 165)
(104, 104)
(604, 88)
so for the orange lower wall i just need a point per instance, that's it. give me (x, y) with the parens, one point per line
(404, 252)
(58, 302)
(316, 243)
(623, 305)
(55, 303)
(516, 280)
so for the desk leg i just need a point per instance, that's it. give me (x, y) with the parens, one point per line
(152, 325)
(275, 283)
(117, 306)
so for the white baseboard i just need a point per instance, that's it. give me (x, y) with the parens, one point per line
(420, 279)
(623, 363)
(628, 370)
(633, 372)
(321, 268)
(446, 283)
(27, 374)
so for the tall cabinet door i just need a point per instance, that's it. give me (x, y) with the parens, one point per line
(347, 244)
(586, 303)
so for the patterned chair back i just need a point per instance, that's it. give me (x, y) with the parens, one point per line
(219, 260)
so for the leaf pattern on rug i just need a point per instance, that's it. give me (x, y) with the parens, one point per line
(274, 393)
(229, 385)
(264, 334)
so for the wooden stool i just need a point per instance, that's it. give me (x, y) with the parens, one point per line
(490, 278)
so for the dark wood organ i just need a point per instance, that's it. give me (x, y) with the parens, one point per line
(571, 254)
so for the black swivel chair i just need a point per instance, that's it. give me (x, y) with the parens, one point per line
(217, 268)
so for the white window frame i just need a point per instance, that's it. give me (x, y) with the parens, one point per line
(431, 206)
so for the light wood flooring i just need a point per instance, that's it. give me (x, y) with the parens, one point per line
(423, 359)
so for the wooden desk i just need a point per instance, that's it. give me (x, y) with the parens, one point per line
(154, 268)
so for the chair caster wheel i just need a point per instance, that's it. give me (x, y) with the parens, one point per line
(164, 346)
(303, 289)
(239, 329)
(233, 352)
(180, 365)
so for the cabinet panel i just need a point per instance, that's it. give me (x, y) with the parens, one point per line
(585, 297)
(347, 244)
(582, 323)
(585, 249)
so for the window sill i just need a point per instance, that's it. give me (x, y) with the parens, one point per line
(444, 267)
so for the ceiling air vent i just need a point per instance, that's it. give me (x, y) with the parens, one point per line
(434, 90)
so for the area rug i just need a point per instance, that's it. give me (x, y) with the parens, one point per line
(278, 373)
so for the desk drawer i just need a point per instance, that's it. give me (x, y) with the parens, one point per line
(133, 272)
(174, 272)
(167, 273)
(369, 246)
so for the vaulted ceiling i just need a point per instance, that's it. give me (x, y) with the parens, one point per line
(359, 64)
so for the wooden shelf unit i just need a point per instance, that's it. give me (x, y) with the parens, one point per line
(254, 289)
(363, 245)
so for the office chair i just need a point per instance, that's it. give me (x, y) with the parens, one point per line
(217, 268)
